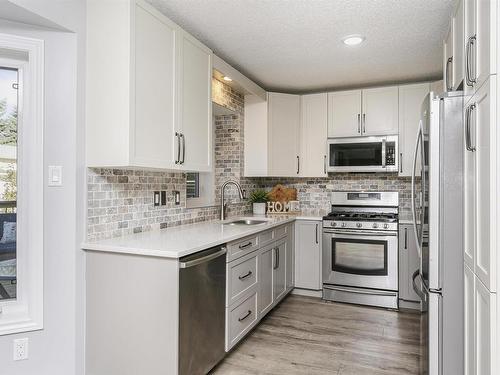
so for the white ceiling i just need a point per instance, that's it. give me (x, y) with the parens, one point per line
(296, 46)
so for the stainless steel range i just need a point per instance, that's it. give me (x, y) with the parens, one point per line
(360, 249)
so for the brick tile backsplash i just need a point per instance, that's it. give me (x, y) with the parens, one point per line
(120, 201)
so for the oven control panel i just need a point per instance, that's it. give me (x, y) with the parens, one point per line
(360, 225)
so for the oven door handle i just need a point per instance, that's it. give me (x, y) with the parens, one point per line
(358, 234)
(358, 291)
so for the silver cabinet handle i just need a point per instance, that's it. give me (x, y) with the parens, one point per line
(245, 245)
(359, 123)
(183, 148)
(469, 77)
(384, 153)
(276, 258)
(249, 312)
(243, 277)
(472, 109)
(324, 164)
(447, 74)
(468, 137)
(401, 162)
(178, 160)
(317, 240)
(364, 122)
(406, 238)
(298, 164)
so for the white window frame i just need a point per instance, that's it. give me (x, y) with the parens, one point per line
(25, 312)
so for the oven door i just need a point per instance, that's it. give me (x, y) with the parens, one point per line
(365, 259)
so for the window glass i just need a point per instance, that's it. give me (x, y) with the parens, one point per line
(8, 181)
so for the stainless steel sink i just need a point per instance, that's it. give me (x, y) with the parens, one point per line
(245, 222)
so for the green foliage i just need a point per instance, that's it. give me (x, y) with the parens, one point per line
(259, 196)
(8, 124)
(10, 179)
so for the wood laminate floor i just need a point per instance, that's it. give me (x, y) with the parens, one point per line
(306, 335)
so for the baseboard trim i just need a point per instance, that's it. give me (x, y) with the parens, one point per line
(307, 292)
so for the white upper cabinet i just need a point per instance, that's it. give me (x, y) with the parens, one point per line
(458, 45)
(448, 59)
(410, 103)
(314, 112)
(363, 112)
(380, 111)
(154, 73)
(480, 30)
(283, 133)
(344, 113)
(195, 104)
(148, 90)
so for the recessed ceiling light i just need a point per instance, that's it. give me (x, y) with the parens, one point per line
(353, 40)
(228, 79)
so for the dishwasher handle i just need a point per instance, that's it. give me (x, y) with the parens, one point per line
(206, 258)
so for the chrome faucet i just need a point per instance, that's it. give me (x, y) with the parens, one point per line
(223, 205)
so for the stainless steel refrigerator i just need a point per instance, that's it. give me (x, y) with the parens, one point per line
(437, 183)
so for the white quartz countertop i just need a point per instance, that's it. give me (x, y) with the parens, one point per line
(183, 240)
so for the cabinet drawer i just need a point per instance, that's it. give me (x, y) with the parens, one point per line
(280, 232)
(241, 277)
(241, 247)
(266, 237)
(240, 319)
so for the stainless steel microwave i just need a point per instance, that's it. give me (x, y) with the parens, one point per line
(363, 154)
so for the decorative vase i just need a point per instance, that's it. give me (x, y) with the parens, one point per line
(259, 208)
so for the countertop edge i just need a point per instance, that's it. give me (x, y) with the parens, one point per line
(99, 247)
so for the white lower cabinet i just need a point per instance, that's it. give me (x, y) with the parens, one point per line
(408, 264)
(480, 313)
(469, 335)
(257, 279)
(308, 254)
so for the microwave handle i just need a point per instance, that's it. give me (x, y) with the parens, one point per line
(383, 153)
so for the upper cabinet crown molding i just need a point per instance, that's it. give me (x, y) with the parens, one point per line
(144, 77)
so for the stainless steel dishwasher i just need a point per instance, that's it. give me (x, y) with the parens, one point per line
(202, 313)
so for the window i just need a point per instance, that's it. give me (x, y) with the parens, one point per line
(21, 184)
(9, 83)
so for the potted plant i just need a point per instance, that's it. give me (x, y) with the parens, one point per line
(259, 198)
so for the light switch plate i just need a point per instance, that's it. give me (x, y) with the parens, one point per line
(55, 175)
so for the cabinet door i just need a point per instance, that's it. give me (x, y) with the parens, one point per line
(410, 103)
(308, 254)
(279, 269)
(153, 132)
(480, 26)
(485, 330)
(344, 113)
(290, 258)
(469, 321)
(483, 125)
(266, 264)
(195, 104)
(458, 45)
(314, 123)
(380, 111)
(448, 59)
(408, 263)
(283, 133)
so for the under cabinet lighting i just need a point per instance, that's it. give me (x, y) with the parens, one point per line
(228, 79)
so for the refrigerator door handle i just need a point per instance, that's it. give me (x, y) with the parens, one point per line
(413, 185)
(416, 288)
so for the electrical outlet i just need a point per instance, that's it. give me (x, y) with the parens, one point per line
(156, 198)
(20, 349)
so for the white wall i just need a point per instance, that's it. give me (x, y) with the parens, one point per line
(58, 348)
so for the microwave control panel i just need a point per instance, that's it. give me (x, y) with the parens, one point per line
(390, 154)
